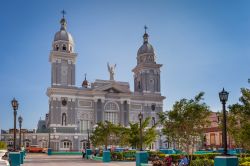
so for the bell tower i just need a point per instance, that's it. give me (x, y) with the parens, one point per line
(63, 58)
(147, 71)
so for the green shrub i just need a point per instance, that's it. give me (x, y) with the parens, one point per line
(244, 159)
(3, 145)
(210, 156)
(202, 162)
(243, 154)
(245, 164)
(153, 154)
(125, 155)
(117, 156)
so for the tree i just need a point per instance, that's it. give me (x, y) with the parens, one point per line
(108, 133)
(3, 145)
(148, 133)
(238, 120)
(185, 123)
(102, 133)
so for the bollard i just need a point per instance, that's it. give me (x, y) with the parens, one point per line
(15, 158)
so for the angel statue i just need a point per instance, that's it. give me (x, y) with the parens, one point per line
(111, 69)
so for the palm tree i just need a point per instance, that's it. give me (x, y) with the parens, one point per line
(102, 133)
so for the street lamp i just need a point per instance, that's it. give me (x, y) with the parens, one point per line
(88, 145)
(14, 104)
(20, 120)
(223, 98)
(140, 117)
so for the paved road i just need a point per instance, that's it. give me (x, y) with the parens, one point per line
(57, 160)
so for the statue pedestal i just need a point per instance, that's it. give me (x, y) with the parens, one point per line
(141, 157)
(226, 161)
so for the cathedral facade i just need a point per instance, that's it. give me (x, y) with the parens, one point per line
(73, 111)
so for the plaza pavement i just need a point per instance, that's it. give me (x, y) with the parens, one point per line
(61, 160)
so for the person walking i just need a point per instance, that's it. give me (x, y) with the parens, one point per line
(184, 161)
(83, 153)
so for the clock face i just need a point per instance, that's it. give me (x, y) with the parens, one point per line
(64, 70)
(64, 102)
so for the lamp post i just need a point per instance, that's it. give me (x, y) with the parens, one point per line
(223, 98)
(49, 131)
(140, 117)
(20, 120)
(88, 144)
(160, 140)
(14, 104)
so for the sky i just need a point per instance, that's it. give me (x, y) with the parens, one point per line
(203, 46)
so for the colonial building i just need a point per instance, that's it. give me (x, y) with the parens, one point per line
(213, 134)
(75, 110)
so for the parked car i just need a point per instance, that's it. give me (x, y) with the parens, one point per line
(34, 148)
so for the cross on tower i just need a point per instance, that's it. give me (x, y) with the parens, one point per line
(145, 27)
(63, 12)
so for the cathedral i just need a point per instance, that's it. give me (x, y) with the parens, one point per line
(73, 111)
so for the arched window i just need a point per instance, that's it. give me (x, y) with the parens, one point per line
(66, 144)
(57, 47)
(139, 85)
(64, 47)
(111, 112)
(64, 119)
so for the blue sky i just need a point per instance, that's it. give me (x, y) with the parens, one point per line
(203, 46)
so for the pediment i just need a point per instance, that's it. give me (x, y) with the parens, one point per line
(113, 88)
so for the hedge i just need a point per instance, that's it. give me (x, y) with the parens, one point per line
(3, 145)
(202, 162)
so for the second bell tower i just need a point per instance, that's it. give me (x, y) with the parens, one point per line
(63, 58)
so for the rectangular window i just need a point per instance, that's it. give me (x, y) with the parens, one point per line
(111, 117)
(84, 125)
(220, 138)
(212, 139)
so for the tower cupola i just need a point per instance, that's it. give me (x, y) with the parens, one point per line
(147, 71)
(63, 41)
(145, 53)
(63, 57)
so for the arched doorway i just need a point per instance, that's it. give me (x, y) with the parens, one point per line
(83, 144)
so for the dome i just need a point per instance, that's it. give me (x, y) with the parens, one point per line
(146, 48)
(85, 83)
(63, 34)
